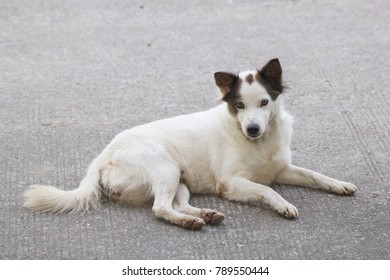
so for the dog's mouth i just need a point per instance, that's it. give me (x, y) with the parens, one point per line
(254, 137)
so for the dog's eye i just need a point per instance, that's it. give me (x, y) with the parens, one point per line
(264, 102)
(240, 105)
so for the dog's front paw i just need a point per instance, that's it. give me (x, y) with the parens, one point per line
(212, 217)
(342, 188)
(287, 210)
(195, 223)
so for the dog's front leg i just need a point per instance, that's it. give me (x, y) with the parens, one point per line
(241, 189)
(293, 175)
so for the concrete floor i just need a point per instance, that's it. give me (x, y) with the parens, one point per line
(75, 73)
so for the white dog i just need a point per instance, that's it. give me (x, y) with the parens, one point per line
(235, 150)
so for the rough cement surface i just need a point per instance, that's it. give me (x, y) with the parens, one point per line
(75, 73)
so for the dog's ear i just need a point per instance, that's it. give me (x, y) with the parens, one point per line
(272, 74)
(225, 82)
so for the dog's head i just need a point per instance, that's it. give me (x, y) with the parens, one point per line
(252, 96)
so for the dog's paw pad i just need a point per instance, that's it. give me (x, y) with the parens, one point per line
(194, 224)
(212, 217)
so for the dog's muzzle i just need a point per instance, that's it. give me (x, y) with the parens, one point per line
(253, 130)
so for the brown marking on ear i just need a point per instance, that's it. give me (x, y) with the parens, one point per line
(249, 79)
(225, 81)
(270, 77)
(272, 73)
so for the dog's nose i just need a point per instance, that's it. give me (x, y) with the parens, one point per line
(253, 130)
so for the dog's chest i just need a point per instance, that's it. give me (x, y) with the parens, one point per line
(262, 163)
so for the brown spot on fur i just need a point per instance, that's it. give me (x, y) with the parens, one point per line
(184, 180)
(183, 177)
(221, 189)
(249, 79)
(115, 192)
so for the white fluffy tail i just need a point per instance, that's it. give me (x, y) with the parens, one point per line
(50, 199)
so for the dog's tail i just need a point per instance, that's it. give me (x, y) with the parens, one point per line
(50, 199)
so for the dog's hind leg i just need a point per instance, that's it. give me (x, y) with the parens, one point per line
(292, 175)
(165, 185)
(146, 171)
(182, 205)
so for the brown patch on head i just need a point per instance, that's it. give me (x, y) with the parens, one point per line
(233, 97)
(229, 85)
(270, 77)
(249, 79)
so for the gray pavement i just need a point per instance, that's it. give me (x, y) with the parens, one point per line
(75, 73)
